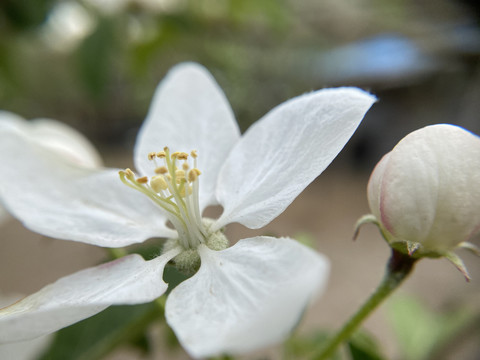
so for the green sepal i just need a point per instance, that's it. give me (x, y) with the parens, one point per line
(365, 219)
(412, 247)
(458, 263)
(470, 247)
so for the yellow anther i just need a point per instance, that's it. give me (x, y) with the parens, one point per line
(185, 166)
(193, 174)
(151, 156)
(130, 174)
(179, 175)
(194, 154)
(142, 180)
(161, 170)
(182, 156)
(182, 190)
(158, 183)
(161, 154)
(175, 154)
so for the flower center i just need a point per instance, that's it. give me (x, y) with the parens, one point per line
(175, 189)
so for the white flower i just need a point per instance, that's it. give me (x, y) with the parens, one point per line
(243, 297)
(425, 193)
(54, 135)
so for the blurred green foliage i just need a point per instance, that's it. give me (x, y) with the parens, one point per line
(426, 334)
(96, 67)
(362, 346)
(21, 15)
(104, 82)
(95, 337)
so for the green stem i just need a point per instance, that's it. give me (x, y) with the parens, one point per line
(398, 268)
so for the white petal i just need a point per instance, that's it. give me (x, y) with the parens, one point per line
(284, 151)
(25, 350)
(245, 297)
(12, 121)
(129, 280)
(189, 112)
(55, 135)
(67, 141)
(57, 199)
(22, 350)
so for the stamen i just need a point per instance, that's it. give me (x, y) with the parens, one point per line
(130, 174)
(184, 189)
(142, 180)
(193, 175)
(161, 170)
(179, 175)
(182, 156)
(176, 190)
(158, 183)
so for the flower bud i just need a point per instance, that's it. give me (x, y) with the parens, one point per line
(425, 193)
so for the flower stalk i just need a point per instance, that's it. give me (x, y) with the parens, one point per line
(398, 268)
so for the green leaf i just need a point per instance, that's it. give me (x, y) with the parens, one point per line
(96, 336)
(362, 346)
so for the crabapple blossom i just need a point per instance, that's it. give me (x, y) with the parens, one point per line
(189, 155)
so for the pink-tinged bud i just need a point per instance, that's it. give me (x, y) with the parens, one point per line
(425, 193)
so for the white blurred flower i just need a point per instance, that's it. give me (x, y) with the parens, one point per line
(67, 25)
(114, 7)
(54, 135)
(241, 298)
(425, 193)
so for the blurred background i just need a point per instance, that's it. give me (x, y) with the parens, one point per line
(94, 64)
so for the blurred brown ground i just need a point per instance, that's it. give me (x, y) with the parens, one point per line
(327, 210)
